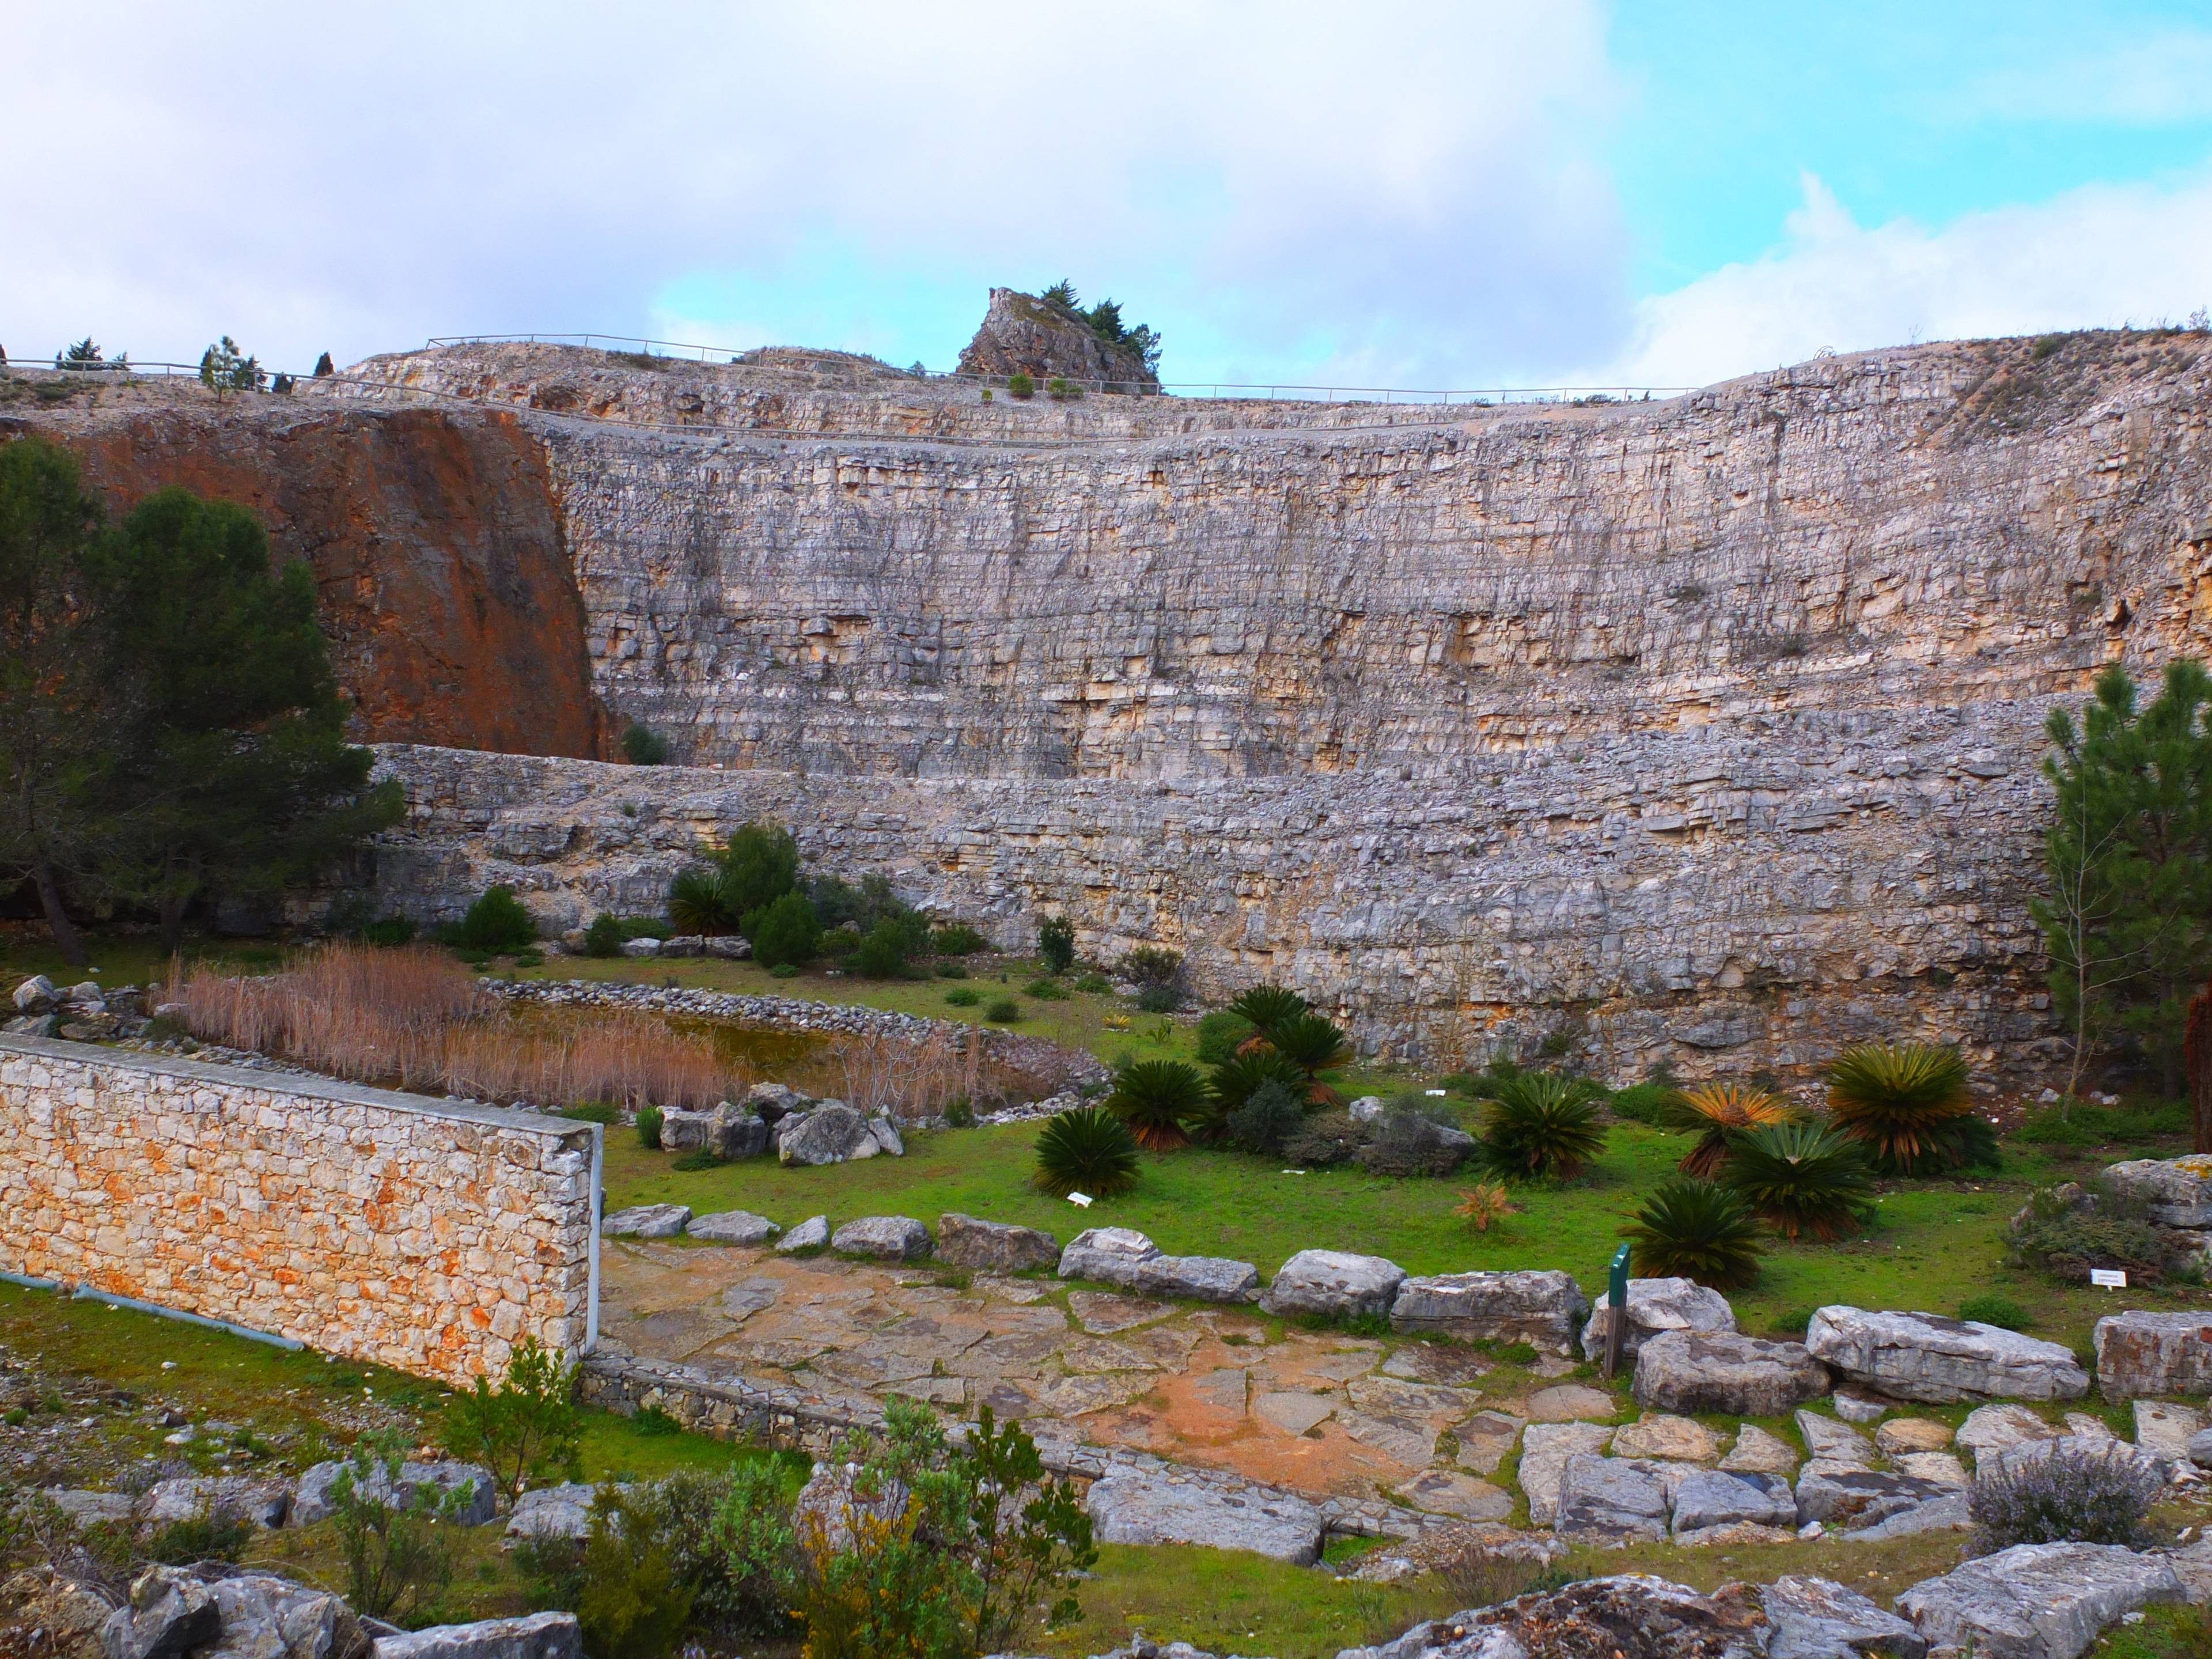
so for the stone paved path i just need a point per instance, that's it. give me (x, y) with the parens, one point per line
(1323, 1414)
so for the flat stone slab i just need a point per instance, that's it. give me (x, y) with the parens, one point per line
(993, 1246)
(1929, 1356)
(2153, 1353)
(1612, 1497)
(1820, 1618)
(1693, 1372)
(2165, 1430)
(812, 1234)
(1676, 1439)
(1656, 1305)
(1711, 1498)
(562, 1511)
(535, 1636)
(1571, 1402)
(1334, 1284)
(233, 1496)
(1942, 1468)
(1991, 1429)
(86, 1508)
(2036, 1600)
(883, 1238)
(1124, 1257)
(1757, 1452)
(1842, 1497)
(732, 1227)
(1912, 1434)
(1545, 1450)
(1293, 1413)
(1544, 1309)
(1827, 1441)
(1444, 1492)
(1139, 1507)
(647, 1221)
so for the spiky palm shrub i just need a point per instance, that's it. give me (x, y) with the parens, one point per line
(1907, 1104)
(697, 902)
(1539, 1124)
(1801, 1178)
(1086, 1151)
(1716, 1111)
(1236, 1080)
(1267, 1006)
(1694, 1230)
(1155, 1098)
(1313, 1042)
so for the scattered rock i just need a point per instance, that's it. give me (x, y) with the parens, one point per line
(477, 1506)
(1819, 1619)
(2200, 1448)
(1857, 1408)
(1920, 1356)
(647, 1221)
(1719, 1371)
(832, 1132)
(1545, 1450)
(993, 1246)
(1613, 1497)
(2153, 1353)
(812, 1234)
(1129, 1506)
(1545, 1309)
(1942, 1468)
(686, 1132)
(1827, 1441)
(637, 948)
(536, 1636)
(1120, 1255)
(1843, 1496)
(562, 1511)
(888, 1139)
(2036, 1600)
(1912, 1434)
(71, 1614)
(2178, 1190)
(1366, 1109)
(2168, 1430)
(1757, 1452)
(169, 1614)
(1674, 1439)
(1621, 1617)
(37, 995)
(227, 1497)
(1709, 1498)
(1571, 1402)
(266, 1616)
(89, 1508)
(775, 1101)
(1334, 1285)
(1656, 1305)
(885, 1237)
(1991, 1429)
(1444, 1492)
(732, 1227)
(1110, 1255)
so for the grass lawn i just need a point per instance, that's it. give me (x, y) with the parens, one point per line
(1936, 1242)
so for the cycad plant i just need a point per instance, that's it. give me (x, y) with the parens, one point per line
(1718, 1111)
(1694, 1230)
(1907, 1104)
(1539, 1124)
(1314, 1044)
(1265, 1007)
(1086, 1151)
(1236, 1081)
(1801, 1178)
(699, 903)
(1157, 1098)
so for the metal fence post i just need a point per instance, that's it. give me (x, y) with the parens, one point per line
(1616, 1323)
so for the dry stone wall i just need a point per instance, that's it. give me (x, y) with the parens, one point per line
(421, 1234)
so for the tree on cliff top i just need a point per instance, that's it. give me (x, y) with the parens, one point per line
(170, 728)
(1104, 319)
(2127, 920)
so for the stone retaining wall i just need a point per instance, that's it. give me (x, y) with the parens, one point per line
(427, 1234)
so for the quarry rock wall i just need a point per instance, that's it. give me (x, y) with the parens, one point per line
(419, 1234)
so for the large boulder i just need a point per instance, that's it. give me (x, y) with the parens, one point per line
(265, 1616)
(686, 1132)
(2178, 1190)
(1838, 1495)
(1706, 1498)
(1928, 1356)
(731, 1227)
(647, 1221)
(993, 1246)
(462, 1493)
(1546, 1449)
(2036, 1600)
(885, 1237)
(1334, 1285)
(221, 1497)
(536, 1636)
(1171, 1506)
(562, 1511)
(1617, 1497)
(1656, 1305)
(1989, 1430)
(169, 1614)
(1693, 1372)
(37, 995)
(1820, 1618)
(1543, 1309)
(1126, 1258)
(2153, 1353)
(832, 1132)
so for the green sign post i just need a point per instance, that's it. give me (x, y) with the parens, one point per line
(1616, 1320)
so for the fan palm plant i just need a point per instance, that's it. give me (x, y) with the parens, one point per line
(1313, 1042)
(1086, 1151)
(1155, 1098)
(1541, 1123)
(699, 902)
(1718, 1111)
(1801, 1178)
(1265, 1007)
(1907, 1104)
(1236, 1081)
(1694, 1230)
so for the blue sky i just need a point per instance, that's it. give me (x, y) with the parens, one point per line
(1410, 193)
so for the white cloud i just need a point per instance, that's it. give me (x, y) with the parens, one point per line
(2097, 257)
(1392, 190)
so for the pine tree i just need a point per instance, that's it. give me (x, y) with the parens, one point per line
(324, 367)
(2128, 922)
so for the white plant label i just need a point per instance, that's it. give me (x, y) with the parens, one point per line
(1081, 1200)
(2109, 1279)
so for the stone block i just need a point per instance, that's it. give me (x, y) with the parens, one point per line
(1141, 1506)
(1840, 1495)
(1757, 1452)
(1710, 1497)
(1612, 1496)
(884, 1237)
(1827, 1441)
(2153, 1353)
(562, 1511)
(993, 1246)
(1690, 1372)
(647, 1221)
(1928, 1356)
(1544, 1308)
(1819, 1619)
(812, 1234)
(1545, 1450)
(831, 1133)
(2166, 1430)
(469, 1489)
(1334, 1284)
(1669, 1439)
(2178, 1190)
(1988, 1430)
(170, 1613)
(2036, 1600)
(732, 1227)
(1656, 1305)
(229, 1497)
(534, 1636)
(266, 1616)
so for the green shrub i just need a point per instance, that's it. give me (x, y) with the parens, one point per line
(1991, 1308)
(750, 1592)
(1639, 1103)
(959, 1114)
(527, 1429)
(1150, 966)
(495, 923)
(1158, 999)
(1020, 386)
(1094, 984)
(1539, 1123)
(1220, 1034)
(1047, 990)
(604, 937)
(839, 943)
(957, 938)
(1694, 1230)
(881, 954)
(1792, 1321)
(594, 1111)
(952, 970)
(1408, 1140)
(691, 1162)
(1062, 389)
(964, 996)
(211, 1537)
(784, 970)
(786, 932)
(1271, 1115)
(634, 1603)
(397, 1562)
(1157, 1098)
(1237, 1078)
(649, 1121)
(1327, 1137)
(2070, 1494)
(1004, 1010)
(1802, 1178)
(1086, 1150)
(2102, 1228)
(643, 746)
(1907, 1104)
(699, 902)
(759, 863)
(1056, 944)
(2058, 1125)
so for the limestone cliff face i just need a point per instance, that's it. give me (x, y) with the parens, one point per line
(1022, 334)
(435, 539)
